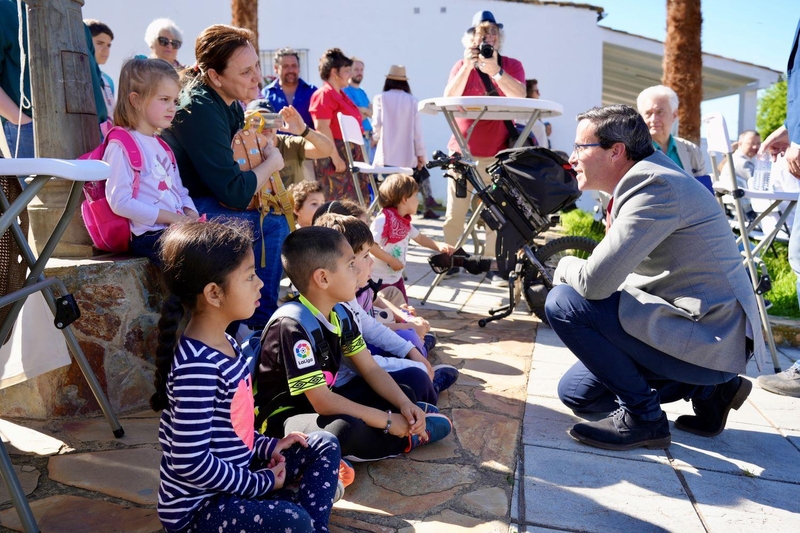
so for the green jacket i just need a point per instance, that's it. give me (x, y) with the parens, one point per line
(200, 136)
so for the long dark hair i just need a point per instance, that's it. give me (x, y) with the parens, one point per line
(193, 254)
(402, 85)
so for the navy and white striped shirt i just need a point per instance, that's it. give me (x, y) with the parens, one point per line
(207, 433)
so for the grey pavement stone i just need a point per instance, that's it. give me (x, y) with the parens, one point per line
(589, 492)
(780, 411)
(547, 421)
(738, 450)
(740, 503)
(130, 474)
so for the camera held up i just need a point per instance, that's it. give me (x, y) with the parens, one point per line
(486, 50)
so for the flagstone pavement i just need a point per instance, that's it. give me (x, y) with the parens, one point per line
(508, 466)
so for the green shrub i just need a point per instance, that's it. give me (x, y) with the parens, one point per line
(582, 224)
(783, 294)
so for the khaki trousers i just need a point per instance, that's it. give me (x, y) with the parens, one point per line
(455, 216)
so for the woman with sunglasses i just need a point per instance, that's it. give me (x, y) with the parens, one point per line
(164, 38)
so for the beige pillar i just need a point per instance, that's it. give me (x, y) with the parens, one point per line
(65, 117)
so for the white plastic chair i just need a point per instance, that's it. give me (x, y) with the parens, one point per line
(41, 171)
(726, 186)
(351, 133)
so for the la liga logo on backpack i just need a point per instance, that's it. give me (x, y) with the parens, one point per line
(108, 230)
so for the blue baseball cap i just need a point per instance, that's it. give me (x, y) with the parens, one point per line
(483, 16)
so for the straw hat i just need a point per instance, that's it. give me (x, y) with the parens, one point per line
(397, 72)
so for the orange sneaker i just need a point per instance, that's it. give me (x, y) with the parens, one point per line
(346, 473)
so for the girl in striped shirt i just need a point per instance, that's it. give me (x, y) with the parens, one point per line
(217, 473)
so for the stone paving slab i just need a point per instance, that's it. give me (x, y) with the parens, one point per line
(130, 474)
(73, 514)
(741, 503)
(592, 492)
(28, 478)
(137, 431)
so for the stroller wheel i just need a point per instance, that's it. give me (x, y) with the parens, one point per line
(549, 255)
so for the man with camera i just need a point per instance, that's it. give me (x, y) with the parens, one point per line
(481, 72)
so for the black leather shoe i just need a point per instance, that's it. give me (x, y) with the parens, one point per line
(711, 415)
(622, 430)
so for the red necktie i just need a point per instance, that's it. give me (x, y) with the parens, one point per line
(608, 213)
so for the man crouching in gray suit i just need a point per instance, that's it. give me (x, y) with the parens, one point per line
(663, 309)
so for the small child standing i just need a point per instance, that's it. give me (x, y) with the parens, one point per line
(148, 91)
(392, 229)
(216, 469)
(308, 196)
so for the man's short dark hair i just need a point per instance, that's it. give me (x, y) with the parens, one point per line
(285, 52)
(356, 232)
(308, 249)
(621, 124)
(530, 85)
(96, 28)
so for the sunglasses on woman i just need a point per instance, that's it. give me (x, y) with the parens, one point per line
(163, 41)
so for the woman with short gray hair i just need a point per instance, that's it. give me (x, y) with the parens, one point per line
(164, 38)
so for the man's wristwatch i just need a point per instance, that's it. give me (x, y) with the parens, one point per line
(499, 74)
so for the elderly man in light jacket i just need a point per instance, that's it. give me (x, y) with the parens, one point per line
(658, 105)
(663, 309)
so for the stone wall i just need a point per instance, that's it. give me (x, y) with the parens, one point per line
(120, 301)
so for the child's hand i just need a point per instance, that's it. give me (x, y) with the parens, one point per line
(279, 470)
(419, 325)
(445, 248)
(410, 310)
(400, 426)
(416, 419)
(190, 213)
(295, 437)
(395, 264)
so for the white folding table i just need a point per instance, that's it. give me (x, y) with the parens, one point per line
(480, 108)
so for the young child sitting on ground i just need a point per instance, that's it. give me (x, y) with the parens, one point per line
(373, 416)
(308, 196)
(148, 90)
(388, 305)
(381, 341)
(392, 229)
(216, 469)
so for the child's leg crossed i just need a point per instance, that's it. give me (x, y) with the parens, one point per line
(229, 512)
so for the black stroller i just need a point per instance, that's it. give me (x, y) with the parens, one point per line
(528, 185)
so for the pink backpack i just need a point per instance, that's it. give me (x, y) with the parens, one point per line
(109, 231)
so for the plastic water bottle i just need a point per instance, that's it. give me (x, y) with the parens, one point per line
(761, 176)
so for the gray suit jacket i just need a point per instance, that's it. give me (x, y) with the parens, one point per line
(671, 253)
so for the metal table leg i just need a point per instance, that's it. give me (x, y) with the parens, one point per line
(461, 240)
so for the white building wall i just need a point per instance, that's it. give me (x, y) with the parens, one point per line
(560, 46)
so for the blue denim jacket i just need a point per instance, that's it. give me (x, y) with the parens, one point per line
(793, 90)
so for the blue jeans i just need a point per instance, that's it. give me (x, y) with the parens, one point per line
(25, 133)
(794, 249)
(146, 245)
(618, 363)
(274, 229)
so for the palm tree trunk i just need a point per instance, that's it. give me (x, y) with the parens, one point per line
(683, 63)
(245, 15)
